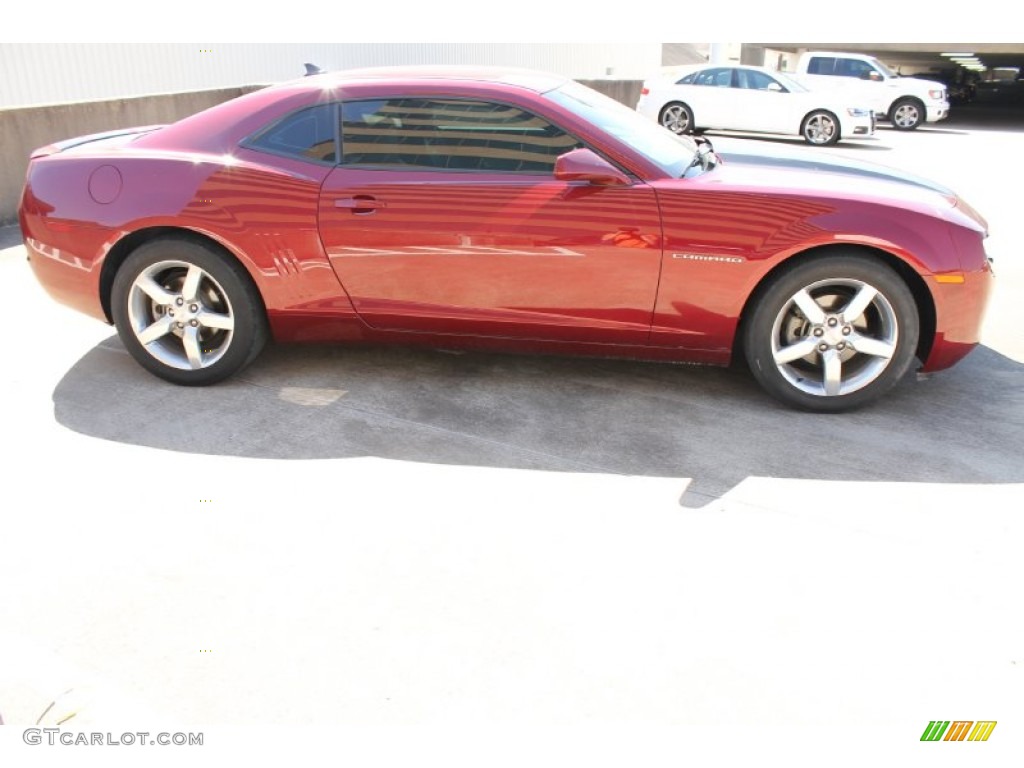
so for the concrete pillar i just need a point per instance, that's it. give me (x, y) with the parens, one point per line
(719, 53)
(752, 55)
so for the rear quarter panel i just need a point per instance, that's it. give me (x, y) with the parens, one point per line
(262, 209)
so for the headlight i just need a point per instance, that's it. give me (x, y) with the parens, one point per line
(857, 112)
(937, 94)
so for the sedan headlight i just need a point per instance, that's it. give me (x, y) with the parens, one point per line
(937, 93)
(857, 112)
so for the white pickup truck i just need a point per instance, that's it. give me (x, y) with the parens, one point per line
(905, 101)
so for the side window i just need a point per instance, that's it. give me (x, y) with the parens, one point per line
(453, 134)
(853, 68)
(754, 80)
(720, 77)
(821, 65)
(307, 135)
(688, 80)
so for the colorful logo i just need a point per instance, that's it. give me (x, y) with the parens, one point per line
(958, 730)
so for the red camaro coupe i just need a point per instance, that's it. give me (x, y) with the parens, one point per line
(511, 210)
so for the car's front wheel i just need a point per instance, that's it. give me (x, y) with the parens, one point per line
(677, 117)
(832, 333)
(187, 312)
(907, 114)
(820, 128)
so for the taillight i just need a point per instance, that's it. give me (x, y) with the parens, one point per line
(644, 91)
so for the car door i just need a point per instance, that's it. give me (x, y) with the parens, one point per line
(444, 216)
(766, 105)
(710, 97)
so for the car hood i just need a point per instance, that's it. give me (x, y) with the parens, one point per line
(778, 170)
(918, 81)
(783, 168)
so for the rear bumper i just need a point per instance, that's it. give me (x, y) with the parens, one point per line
(70, 280)
(65, 255)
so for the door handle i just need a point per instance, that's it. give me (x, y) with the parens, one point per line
(360, 204)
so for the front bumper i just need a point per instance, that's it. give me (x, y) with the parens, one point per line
(936, 111)
(857, 127)
(959, 313)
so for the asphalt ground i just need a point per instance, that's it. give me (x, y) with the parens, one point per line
(406, 537)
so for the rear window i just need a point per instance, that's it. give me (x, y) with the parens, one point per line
(307, 135)
(821, 65)
(721, 78)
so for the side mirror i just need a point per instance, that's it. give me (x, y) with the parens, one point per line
(774, 88)
(585, 165)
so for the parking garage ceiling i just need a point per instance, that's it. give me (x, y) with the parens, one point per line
(923, 55)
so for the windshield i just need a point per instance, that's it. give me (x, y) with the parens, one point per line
(672, 153)
(789, 83)
(883, 69)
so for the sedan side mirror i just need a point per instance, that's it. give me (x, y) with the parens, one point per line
(586, 165)
(774, 87)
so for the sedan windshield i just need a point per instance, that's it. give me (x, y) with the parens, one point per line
(788, 83)
(673, 154)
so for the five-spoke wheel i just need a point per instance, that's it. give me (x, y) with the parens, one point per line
(181, 314)
(820, 128)
(187, 312)
(832, 333)
(677, 117)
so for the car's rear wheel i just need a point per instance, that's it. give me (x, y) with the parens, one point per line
(820, 128)
(907, 114)
(677, 117)
(187, 312)
(832, 333)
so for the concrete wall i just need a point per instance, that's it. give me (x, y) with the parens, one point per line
(679, 54)
(624, 91)
(34, 74)
(23, 130)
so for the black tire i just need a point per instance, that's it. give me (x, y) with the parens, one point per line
(907, 114)
(820, 128)
(206, 321)
(781, 324)
(677, 117)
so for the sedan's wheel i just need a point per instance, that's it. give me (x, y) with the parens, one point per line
(820, 128)
(187, 312)
(677, 117)
(832, 333)
(906, 114)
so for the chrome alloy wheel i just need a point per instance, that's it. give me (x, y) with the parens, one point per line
(906, 116)
(834, 337)
(676, 118)
(181, 315)
(820, 128)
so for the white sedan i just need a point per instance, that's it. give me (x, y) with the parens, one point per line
(752, 99)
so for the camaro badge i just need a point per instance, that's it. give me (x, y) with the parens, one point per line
(702, 257)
